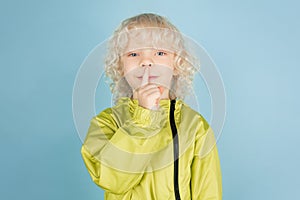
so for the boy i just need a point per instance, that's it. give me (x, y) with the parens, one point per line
(151, 145)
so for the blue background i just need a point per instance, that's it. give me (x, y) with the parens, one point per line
(255, 45)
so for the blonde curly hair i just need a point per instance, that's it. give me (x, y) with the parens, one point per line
(162, 31)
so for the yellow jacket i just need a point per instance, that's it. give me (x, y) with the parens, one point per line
(135, 153)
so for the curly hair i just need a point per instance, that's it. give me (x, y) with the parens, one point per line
(162, 33)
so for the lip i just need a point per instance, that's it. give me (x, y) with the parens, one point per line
(150, 77)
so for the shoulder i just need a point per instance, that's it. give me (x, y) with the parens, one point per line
(104, 114)
(188, 114)
(117, 113)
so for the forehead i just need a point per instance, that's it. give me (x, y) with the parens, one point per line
(150, 38)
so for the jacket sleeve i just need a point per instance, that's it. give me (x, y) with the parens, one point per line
(206, 181)
(109, 150)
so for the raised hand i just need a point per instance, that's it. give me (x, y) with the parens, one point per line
(149, 94)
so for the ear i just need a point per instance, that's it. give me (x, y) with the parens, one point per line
(178, 62)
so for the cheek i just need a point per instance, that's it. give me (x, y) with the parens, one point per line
(130, 68)
(165, 61)
(171, 62)
(128, 65)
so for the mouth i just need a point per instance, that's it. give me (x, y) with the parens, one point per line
(150, 77)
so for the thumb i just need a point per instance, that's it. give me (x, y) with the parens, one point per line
(161, 89)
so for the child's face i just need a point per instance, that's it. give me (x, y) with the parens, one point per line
(159, 62)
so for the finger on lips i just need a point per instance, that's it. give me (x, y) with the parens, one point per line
(145, 79)
(149, 89)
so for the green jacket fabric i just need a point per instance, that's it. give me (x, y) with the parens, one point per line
(136, 153)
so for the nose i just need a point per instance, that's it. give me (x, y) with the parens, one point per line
(146, 62)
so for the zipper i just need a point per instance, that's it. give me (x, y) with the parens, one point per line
(175, 149)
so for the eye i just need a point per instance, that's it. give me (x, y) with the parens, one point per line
(133, 54)
(161, 53)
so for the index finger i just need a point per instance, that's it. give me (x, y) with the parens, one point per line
(145, 79)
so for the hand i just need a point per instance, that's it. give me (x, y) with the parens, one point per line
(149, 94)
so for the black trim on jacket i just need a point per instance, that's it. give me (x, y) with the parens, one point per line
(175, 149)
